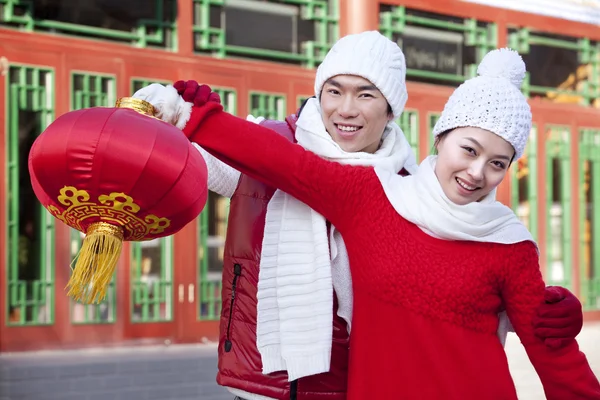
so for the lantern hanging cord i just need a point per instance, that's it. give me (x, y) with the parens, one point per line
(96, 262)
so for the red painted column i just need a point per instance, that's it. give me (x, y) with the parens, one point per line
(358, 15)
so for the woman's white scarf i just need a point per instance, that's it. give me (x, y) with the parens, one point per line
(297, 273)
(419, 198)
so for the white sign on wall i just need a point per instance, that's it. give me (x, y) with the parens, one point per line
(587, 11)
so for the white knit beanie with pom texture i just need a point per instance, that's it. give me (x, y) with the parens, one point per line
(372, 56)
(492, 101)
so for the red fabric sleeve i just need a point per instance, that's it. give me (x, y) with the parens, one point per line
(565, 373)
(338, 192)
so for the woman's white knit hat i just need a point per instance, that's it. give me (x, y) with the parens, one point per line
(372, 56)
(492, 101)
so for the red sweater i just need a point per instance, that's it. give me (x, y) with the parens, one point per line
(425, 309)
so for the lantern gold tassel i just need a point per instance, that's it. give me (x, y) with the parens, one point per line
(96, 262)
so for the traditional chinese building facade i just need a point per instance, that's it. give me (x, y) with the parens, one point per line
(57, 56)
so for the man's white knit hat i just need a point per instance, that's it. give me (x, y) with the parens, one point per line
(492, 101)
(372, 56)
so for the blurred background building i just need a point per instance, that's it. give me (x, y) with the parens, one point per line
(61, 55)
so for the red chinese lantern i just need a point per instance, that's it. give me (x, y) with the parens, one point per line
(115, 174)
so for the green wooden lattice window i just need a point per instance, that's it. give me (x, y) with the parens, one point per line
(267, 105)
(91, 90)
(438, 48)
(152, 280)
(524, 180)
(212, 230)
(142, 23)
(295, 31)
(409, 122)
(589, 200)
(432, 119)
(30, 267)
(561, 68)
(228, 99)
(558, 206)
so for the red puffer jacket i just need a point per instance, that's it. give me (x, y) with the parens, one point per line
(240, 365)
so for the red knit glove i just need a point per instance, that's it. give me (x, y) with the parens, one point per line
(196, 94)
(559, 319)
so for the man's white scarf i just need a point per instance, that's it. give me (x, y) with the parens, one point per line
(419, 198)
(297, 275)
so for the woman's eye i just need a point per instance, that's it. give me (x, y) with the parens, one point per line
(499, 164)
(469, 150)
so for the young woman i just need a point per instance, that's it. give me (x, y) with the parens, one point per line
(433, 256)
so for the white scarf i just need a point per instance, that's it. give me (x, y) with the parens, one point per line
(419, 198)
(297, 273)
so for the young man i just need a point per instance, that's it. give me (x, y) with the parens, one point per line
(287, 291)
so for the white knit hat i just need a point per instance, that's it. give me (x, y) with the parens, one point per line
(492, 101)
(372, 56)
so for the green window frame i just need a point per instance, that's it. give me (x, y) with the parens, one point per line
(432, 119)
(138, 83)
(589, 217)
(395, 21)
(210, 276)
(524, 181)
(30, 105)
(159, 31)
(558, 206)
(213, 39)
(152, 291)
(409, 122)
(588, 52)
(267, 105)
(90, 89)
(300, 99)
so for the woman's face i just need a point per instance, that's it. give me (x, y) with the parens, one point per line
(471, 163)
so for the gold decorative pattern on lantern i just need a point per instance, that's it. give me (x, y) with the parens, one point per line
(115, 208)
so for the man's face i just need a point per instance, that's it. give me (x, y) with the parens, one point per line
(354, 112)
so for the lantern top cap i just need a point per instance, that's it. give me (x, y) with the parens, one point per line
(138, 105)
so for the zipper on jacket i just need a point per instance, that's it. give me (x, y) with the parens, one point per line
(294, 390)
(237, 271)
